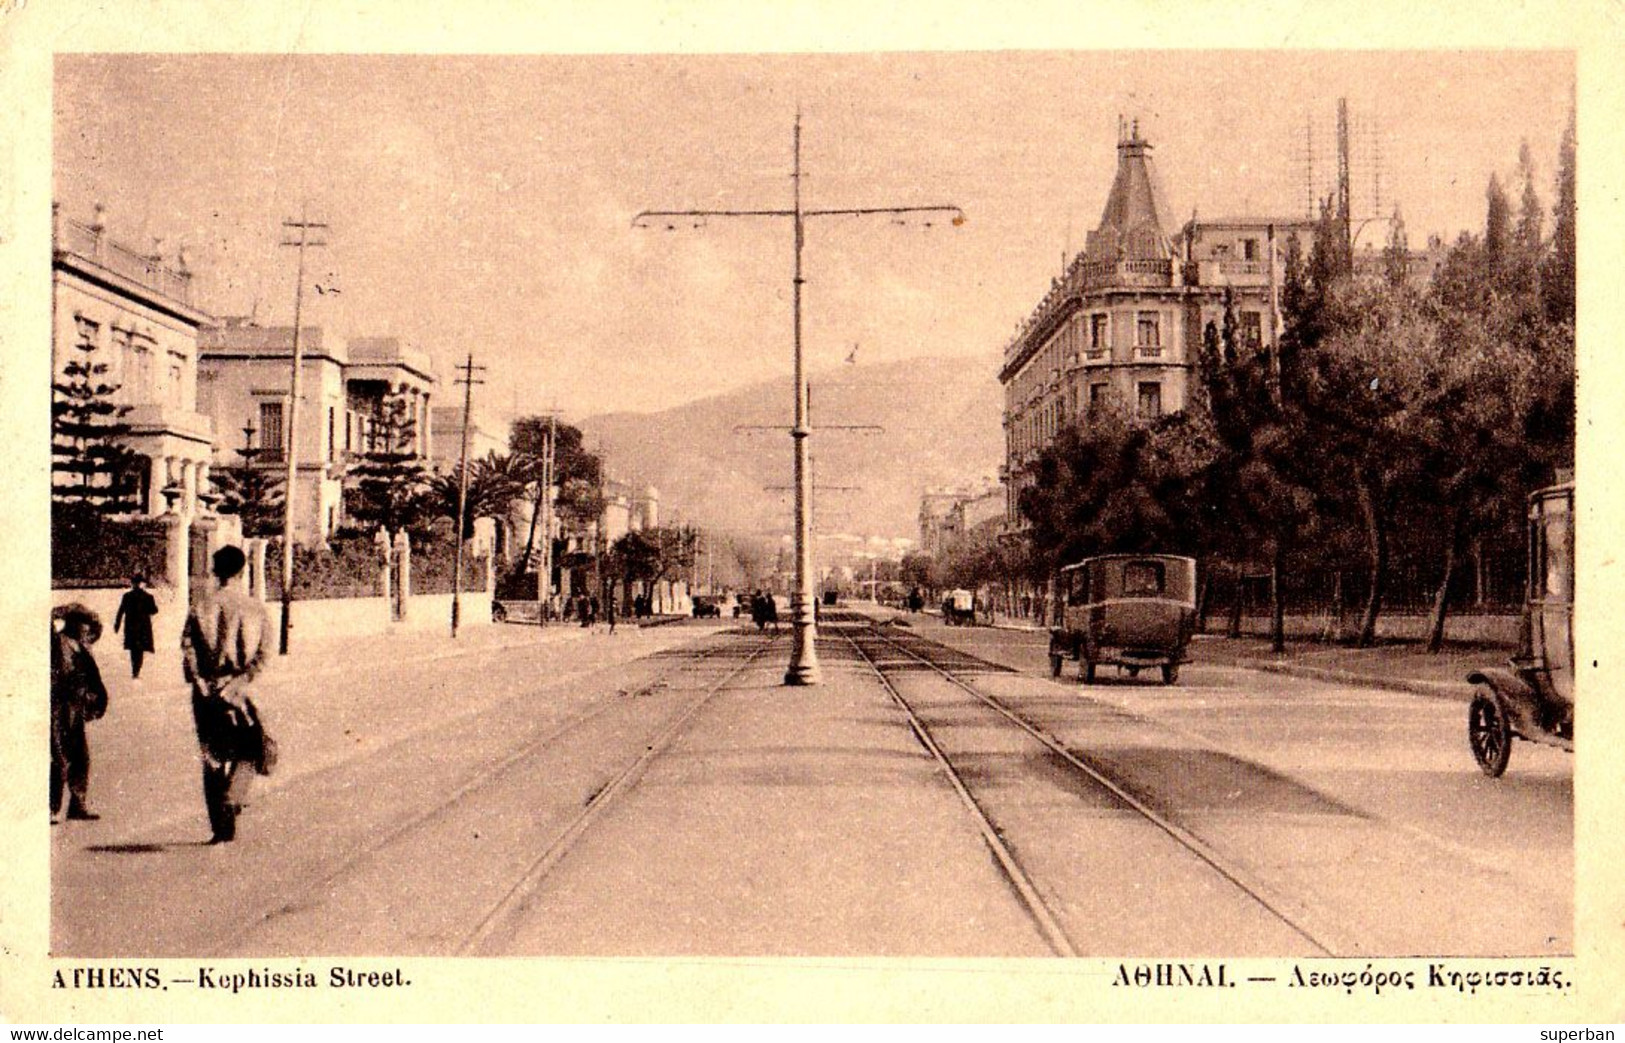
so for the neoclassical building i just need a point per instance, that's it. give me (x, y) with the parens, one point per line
(136, 309)
(1124, 323)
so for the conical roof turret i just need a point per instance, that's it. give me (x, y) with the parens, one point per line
(1131, 228)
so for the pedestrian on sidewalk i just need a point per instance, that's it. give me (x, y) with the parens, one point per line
(223, 648)
(609, 611)
(135, 612)
(77, 696)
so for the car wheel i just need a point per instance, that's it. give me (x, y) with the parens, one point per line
(1170, 673)
(1489, 733)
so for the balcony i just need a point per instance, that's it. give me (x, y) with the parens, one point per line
(93, 245)
(1231, 273)
(1151, 272)
(154, 418)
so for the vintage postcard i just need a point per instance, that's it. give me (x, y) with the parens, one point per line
(691, 512)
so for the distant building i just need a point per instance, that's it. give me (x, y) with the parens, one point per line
(137, 309)
(1124, 324)
(948, 515)
(485, 436)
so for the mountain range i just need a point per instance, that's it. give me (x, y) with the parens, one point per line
(882, 435)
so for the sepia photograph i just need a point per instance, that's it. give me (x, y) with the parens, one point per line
(1096, 513)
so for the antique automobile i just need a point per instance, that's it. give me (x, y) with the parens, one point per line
(1533, 697)
(1131, 611)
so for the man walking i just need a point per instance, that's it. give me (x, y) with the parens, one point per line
(223, 648)
(135, 612)
(77, 696)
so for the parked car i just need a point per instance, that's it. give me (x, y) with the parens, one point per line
(1533, 697)
(707, 606)
(1131, 611)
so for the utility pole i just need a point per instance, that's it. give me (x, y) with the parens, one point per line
(304, 227)
(546, 592)
(803, 668)
(468, 382)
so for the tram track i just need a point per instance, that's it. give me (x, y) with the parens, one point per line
(493, 774)
(514, 899)
(948, 664)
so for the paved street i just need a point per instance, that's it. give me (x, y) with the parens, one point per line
(657, 792)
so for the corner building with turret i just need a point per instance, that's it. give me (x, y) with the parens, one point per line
(1122, 327)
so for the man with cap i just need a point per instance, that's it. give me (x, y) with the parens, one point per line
(223, 648)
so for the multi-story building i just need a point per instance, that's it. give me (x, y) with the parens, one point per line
(245, 374)
(136, 309)
(1124, 324)
(381, 369)
(947, 515)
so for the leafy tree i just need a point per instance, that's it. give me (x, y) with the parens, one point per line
(1557, 273)
(577, 474)
(387, 484)
(92, 470)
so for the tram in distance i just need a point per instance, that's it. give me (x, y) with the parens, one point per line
(1532, 698)
(1132, 611)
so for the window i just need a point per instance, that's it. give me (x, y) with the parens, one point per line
(1099, 331)
(332, 431)
(1142, 579)
(271, 430)
(1249, 249)
(1148, 331)
(1150, 400)
(1097, 396)
(1250, 330)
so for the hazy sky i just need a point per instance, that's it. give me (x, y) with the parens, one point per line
(484, 204)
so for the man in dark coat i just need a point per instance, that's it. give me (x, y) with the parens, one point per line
(223, 648)
(77, 696)
(135, 612)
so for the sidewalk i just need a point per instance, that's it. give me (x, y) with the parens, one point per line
(1399, 666)
(1404, 666)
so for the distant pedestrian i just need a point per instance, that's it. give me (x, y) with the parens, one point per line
(609, 611)
(594, 606)
(77, 696)
(135, 612)
(223, 649)
(583, 610)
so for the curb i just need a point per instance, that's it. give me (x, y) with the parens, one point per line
(1437, 689)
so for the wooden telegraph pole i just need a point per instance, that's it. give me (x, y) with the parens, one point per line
(468, 382)
(303, 226)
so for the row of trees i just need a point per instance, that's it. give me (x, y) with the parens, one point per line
(1397, 421)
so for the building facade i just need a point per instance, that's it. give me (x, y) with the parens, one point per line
(136, 310)
(245, 376)
(1122, 327)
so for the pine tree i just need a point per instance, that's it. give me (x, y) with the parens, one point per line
(92, 470)
(387, 484)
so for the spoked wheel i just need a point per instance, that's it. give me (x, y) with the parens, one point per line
(1489, 733)
(1170, 673)
(1054, 665)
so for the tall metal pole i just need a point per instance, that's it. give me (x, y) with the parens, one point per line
(804, 626)
(289, 484)
(468, 383)
(804, 657)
